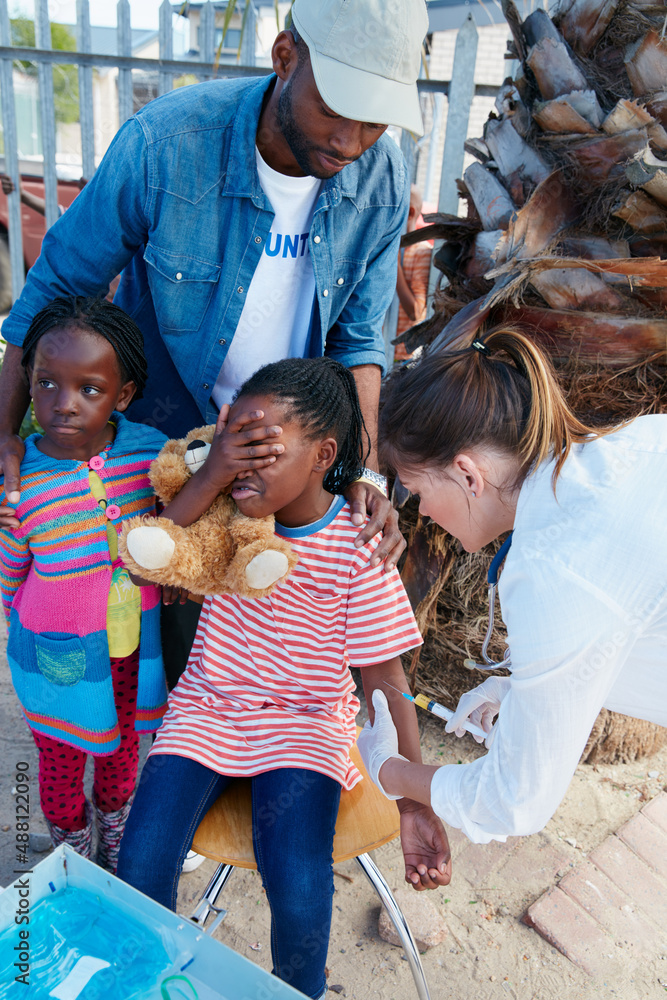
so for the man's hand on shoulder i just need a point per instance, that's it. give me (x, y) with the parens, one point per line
(12, 451)
(364, 498)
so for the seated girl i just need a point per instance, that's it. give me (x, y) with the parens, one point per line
(268, 691)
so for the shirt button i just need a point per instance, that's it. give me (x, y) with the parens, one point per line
(96, 463)
(178, 276)
(325, 292)
(223, 341)
(112, 512)
(340, 281)
(316, 239)
(205, 385)
(258, 239)
(240, 289)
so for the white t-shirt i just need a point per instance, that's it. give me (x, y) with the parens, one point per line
(584, 597)
(275, 321)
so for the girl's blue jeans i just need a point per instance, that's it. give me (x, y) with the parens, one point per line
(294, 814)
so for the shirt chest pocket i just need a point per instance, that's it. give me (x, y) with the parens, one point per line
(347, 274)
(310, 617)
(181, 288)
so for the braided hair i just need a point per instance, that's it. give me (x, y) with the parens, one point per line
(100, 316)
(321, 395)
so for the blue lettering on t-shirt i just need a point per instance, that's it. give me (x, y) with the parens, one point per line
(269, 251)
(289, 244)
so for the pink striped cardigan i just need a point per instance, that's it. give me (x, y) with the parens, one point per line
(55, 574)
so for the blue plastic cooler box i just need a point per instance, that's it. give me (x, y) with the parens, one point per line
(71, 931)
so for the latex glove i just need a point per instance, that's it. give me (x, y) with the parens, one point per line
(480, 705)
(379, 742)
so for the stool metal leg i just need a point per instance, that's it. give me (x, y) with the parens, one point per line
(206, 904)
(377, 880)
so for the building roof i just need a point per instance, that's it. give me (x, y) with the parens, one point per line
(104, 40)
(178, 8)
(445, 15)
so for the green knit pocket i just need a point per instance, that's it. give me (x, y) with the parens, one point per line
(62, 660)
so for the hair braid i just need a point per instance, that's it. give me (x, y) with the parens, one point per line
(321, 394)
(100, 316)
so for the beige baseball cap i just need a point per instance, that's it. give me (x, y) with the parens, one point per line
(366, 56)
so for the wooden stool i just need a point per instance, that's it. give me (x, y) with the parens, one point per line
(366, 821)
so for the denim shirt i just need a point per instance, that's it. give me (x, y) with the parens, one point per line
(177, 206)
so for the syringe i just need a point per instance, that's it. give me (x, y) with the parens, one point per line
(435, 708)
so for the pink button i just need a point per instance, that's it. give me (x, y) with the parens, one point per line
(112, 512)
(96, 463)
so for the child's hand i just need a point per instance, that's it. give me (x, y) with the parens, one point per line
(234, 450)
(12, 450)
(428, 861)
(172, 594)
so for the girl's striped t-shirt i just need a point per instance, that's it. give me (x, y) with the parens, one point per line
(268, 682)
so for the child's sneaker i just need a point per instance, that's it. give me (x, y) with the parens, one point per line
(192, 861)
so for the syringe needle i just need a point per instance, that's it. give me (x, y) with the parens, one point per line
(435, 708)
(399, 690)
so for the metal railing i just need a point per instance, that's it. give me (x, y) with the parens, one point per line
(460, 91)
(45, 57)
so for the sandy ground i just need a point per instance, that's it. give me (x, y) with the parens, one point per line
(488, 952)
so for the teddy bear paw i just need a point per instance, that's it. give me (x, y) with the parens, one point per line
(151, 548)
(265, 569)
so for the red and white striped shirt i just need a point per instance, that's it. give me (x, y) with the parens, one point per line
(268, 683)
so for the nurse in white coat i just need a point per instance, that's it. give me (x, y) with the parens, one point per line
(484, 437)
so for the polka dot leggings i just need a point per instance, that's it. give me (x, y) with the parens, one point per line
(61, 766)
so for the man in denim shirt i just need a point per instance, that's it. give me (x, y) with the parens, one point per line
(177, 206)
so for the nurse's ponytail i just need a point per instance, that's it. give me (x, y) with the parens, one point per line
(498, 390)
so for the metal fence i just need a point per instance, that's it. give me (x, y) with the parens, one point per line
(459, 91)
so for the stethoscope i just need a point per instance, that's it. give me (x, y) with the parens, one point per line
(492, 580)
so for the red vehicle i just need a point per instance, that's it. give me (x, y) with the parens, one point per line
(33, 226)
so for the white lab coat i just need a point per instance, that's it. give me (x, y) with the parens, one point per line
(584, 596)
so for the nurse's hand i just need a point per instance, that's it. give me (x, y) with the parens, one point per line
(378, 742)
(480, 706)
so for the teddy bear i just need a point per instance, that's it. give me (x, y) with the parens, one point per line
(224, 552)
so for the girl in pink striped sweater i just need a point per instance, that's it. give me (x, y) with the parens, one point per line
(84, 642)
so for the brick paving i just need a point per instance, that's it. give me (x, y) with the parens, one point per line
(647, 840)
(656, 810)
(605, 902)
(613, 906)
(567, 926)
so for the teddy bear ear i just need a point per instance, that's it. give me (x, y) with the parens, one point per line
(196, 454)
